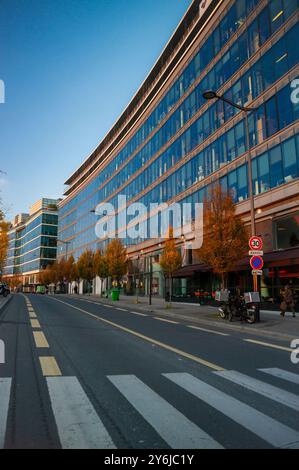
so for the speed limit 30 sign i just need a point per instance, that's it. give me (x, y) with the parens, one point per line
(255, 243)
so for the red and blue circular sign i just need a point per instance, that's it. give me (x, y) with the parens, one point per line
(256, 262)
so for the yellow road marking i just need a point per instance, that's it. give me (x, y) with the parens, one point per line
(32, 315)
(40, 339)
(269, 345)
(167, 321)
(207, 330)
(35, 323)
(148, 339)
(49, 366)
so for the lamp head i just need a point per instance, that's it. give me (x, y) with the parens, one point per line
(209, 95)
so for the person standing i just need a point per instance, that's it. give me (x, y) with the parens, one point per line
(287, 302)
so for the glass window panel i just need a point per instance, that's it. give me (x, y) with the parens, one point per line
(271, 116)
(289, 160)
(264, 25)
(276, 170)
(263, 172)
(285, 110)
(242, 183)
(233, 185)
(255, 182)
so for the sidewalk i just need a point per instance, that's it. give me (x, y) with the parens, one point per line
(271, 324)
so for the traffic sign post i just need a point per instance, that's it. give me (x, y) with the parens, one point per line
(256, 263)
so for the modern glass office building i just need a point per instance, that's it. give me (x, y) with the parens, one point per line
(32, 242)
(170, 144)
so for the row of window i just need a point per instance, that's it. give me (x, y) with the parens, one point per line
(277, 166)
(39, 241)
(278, 110)
(35, 265)
(278, 60)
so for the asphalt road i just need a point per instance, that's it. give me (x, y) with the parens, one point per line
(82, 375)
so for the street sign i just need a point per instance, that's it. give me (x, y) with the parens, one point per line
(257, 272)
(256, 253)
(257, 263)
(256, 243)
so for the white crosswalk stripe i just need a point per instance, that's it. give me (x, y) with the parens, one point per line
(270, 391)
(268, 429)
(178, 431)
(282, 374)
(78, 424)
(5, 386)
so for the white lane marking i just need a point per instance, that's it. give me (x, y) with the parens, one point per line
(273, 393)
(166, 321)
(5, 385)
(141, 314)
(263, 426)
(78, 424)
(122, 309)
(178, 431)
(282, 374)
(106, 305)
(207, 330)
(268, 345)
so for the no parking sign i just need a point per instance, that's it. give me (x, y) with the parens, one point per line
(256, 262)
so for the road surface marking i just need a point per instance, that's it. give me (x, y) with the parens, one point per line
(177, 430)
(5, 385)
(273, 393)
(35, 323)
(270, 430)
(106, 305)
(141, 314)
(49, 366)
(269, 345)
(147, 338)
(32, 315)
(78, 424)
(207, 330)
(282, 374)
(40, 339)
(122, 309)
(167, 321)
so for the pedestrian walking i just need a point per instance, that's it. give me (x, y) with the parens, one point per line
(287, 302)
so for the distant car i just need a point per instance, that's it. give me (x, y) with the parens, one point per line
(41, 290)
(4, 289)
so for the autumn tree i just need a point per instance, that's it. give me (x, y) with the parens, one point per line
(86, 267)
(47, 276)
(101, 265)
(225, 235)
(171, 260)
(116, 257)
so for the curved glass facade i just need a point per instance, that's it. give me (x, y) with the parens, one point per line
(184, 140)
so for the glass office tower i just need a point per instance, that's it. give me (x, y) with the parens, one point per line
(172, 145)
(32, 243)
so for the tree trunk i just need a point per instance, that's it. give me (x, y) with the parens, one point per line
(170, 288)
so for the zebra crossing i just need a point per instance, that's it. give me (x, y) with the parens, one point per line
(80, 425)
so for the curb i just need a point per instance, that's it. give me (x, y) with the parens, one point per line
(244, 329)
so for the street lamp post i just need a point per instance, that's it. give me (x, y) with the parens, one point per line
(66, 243)
(211, 95)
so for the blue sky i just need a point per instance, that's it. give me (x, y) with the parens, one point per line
(69, 67)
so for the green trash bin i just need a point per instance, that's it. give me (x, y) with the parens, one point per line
(114, 294)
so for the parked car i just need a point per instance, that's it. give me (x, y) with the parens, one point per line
(4, 289)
